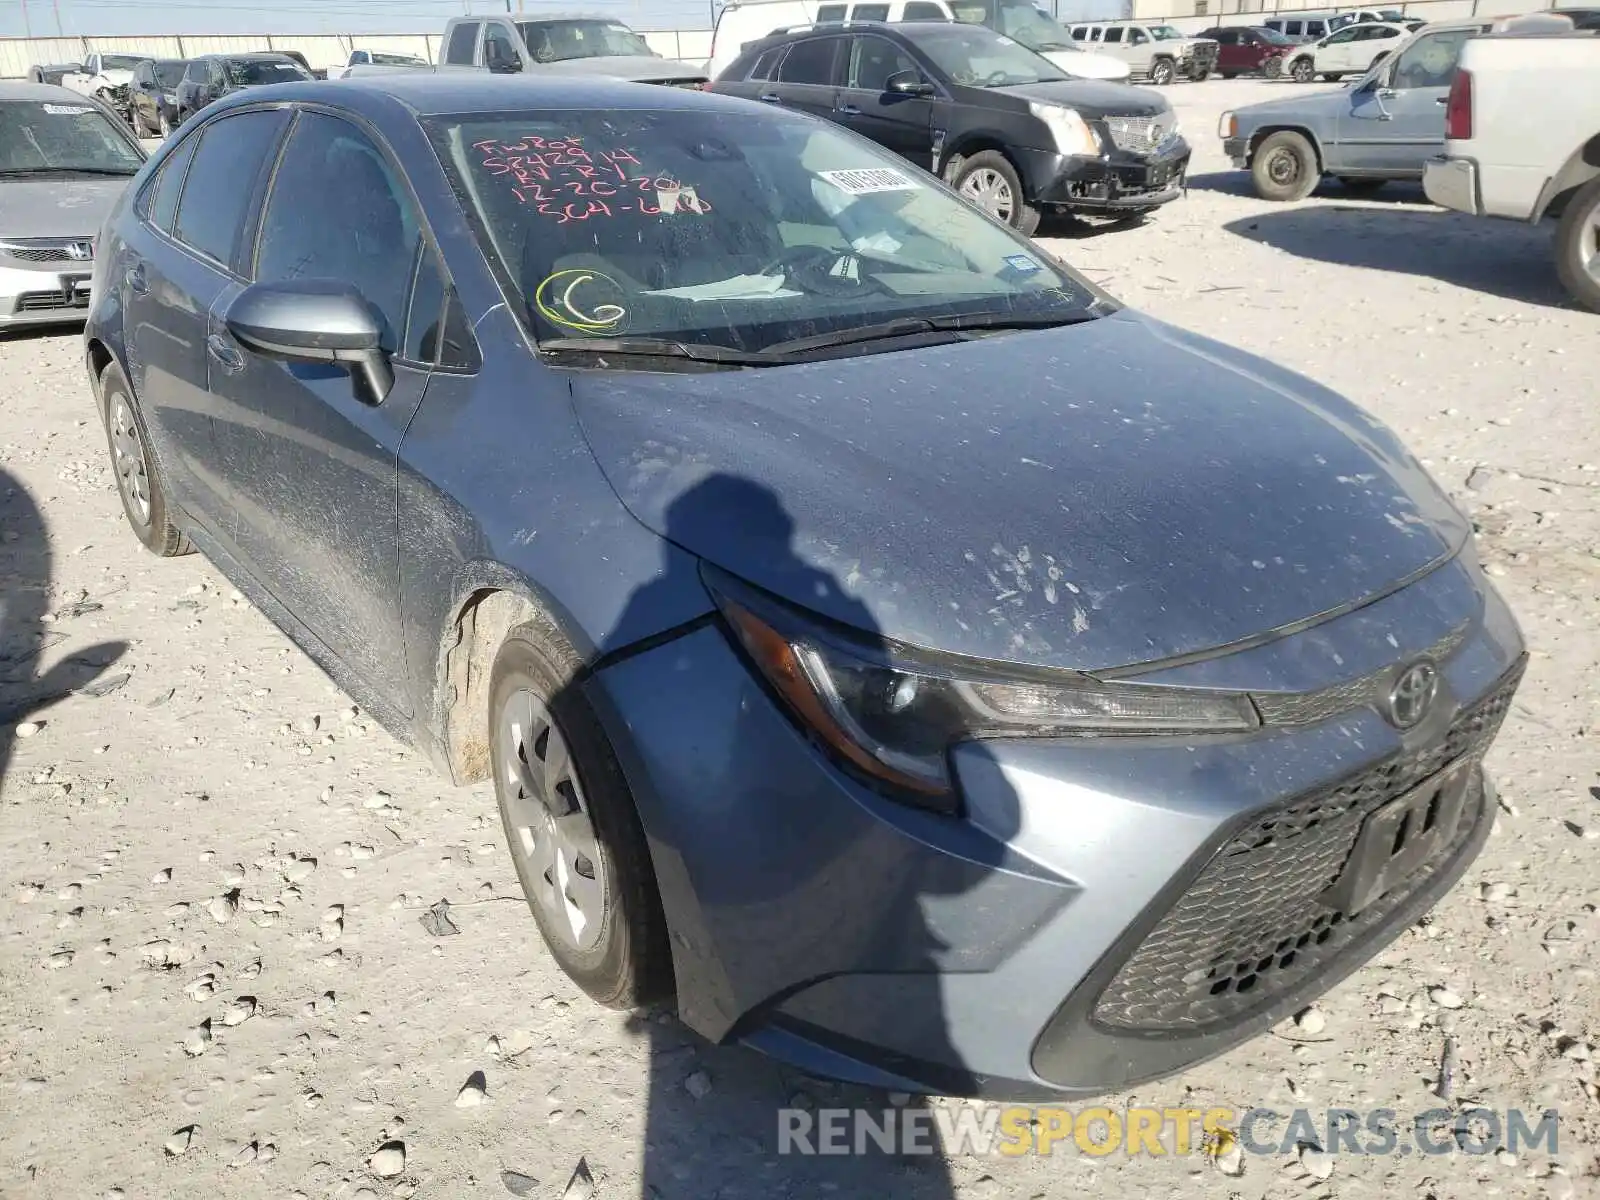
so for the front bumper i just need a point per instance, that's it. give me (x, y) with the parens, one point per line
(1237, 149)
(52, 294)
(1453, 183)
(1066, 935)
(1110, 182)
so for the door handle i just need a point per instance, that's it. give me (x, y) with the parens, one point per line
(771, 98)
(1441, 99)
(137, 283)
(227, 357)
(850, 110)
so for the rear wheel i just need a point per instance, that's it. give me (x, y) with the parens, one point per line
(138, 471)
(988, 181)
(1162, 71)
(574, 834)
(1284, 167)
(1303, 70)
(1272, 68)
(1578, 246)
(164, 124)
(1200, 74)
(1333, 76)
(1229, 74)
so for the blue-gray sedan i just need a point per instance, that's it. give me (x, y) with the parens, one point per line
(880, 642)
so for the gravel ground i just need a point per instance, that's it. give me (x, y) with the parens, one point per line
(214, 979)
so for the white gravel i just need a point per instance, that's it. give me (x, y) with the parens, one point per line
(165, 963)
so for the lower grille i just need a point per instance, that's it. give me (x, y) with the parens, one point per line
(41, 301)
(1251, 926)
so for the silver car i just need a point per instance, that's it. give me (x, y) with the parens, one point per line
(1383, 127)
(64, 161)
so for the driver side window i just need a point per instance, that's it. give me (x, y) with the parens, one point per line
(1138, 37)
(1430, 62)
(872, 61)
(498, 47)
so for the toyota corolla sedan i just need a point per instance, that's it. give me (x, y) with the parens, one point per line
(882, 644)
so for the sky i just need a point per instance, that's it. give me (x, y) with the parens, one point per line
(122, 17)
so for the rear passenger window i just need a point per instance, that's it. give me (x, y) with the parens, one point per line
(870, 12)
(920, 10)
(809, 62)
(163, 199)
(221, 181)
(463, 41)
(1113, 35)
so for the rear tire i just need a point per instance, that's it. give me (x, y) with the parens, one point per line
(549, 751)
(163, 125)
(1284, 167)
(1229, 74)
(137, 468)
(1578, 246)
(1162, 71)
(1333, 76)
(988, 181)
(1200, 74)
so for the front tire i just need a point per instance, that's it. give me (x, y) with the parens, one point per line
(139, 481)
(1200, 74)
(1162, 72)
(164, 125)
(1284, 167)
(1333, 76)
(1578, 246)
(988, 181)
(1303, 70)
(574, 834)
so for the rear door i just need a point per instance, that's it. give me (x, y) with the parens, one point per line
(311, 457)
(897, 122)
(807, 76)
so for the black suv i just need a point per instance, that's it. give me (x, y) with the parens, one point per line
(213, 76)
(1011, 132)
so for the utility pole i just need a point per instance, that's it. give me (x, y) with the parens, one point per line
(56, 5)
(27, 26)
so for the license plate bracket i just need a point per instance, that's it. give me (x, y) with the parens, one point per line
(1398, 837)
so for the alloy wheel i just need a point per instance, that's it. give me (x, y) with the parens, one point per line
(988, 190)
(551, 830)
(129, 459)
(1304, 70)
(1589, 241)
(164, 125)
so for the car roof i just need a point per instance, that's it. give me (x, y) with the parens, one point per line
(11, 89)
(435, 93)
(243, 54)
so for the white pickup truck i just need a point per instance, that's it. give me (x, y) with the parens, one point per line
(1522, 138)
(101, 75)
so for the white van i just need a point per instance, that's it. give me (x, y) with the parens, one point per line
(743, 21)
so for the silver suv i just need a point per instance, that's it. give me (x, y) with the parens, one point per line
(1158, 53)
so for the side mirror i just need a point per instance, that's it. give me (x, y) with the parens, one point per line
(314, 320)
(908, 83)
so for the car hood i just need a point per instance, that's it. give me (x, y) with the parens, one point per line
(1086, 497)
(1091, 97)
(55, 207)
(634, 67)
(1296, 106)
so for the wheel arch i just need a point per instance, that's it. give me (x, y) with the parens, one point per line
(977, 142)
(1582, 165)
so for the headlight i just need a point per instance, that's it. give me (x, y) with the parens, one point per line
(893, 714)
(1070, 131)
(1228, 126)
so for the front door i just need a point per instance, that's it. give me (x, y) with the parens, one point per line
(1396, 120)
(1337, 55)
(895, 121)
(311, 457)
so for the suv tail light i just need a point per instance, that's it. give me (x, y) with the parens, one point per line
(1458, 113)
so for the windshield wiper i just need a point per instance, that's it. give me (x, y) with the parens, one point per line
(648, 347)
(15, 172)
(845, 337)
(1001, 320)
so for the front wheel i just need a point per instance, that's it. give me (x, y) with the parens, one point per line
(1333, 76)
(139, 481)
(1272, 68)
(574, 834)
(1285, 167)
(1578, 246)
(164, 125)
(1303, 71)
(1200, 74)
(1162, 72)
(988, 181)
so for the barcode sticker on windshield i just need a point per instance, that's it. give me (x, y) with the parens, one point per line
(864, 180)
(67, 110)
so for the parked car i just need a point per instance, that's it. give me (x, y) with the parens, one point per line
(567, 45)
(1010, 132)
(744, 21)
(1249, 50)
(1159, 53)
(1302, 27)
(1362, 16)
(1509, 159)
(105, 77)
(52, 73)
(212, 76)
(802, 701)
(65, 158)
(1386, 127)
(1350, 51)
(296, 56)
(378, 58)
(153, 96)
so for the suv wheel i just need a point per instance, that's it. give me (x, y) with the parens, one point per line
(164, 125)
(138, 471)
(1303, 71)
(988, 181)
(1162, 72)
(1285, 167)
(1578, 246)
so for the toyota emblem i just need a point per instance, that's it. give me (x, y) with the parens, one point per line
(81, 251)
(1412, 694)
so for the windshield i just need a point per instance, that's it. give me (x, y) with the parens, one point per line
(670, 225)
(119, 62)
(558, 41)
(982, 58)
(1165, 33)
(1273, 36)
(169, 74)
(247, 72)
(38, 137)
(1021, 21)
(393, 60)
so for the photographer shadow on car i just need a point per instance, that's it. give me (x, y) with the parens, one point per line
(764, 903)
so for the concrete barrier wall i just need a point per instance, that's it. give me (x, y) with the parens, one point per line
(17, 55)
